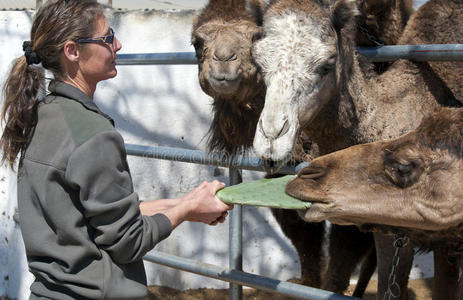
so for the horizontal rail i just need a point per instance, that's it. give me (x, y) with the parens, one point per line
(436, 52)
(431, 52)
(199, 157)
(170, 58)
(242, 278)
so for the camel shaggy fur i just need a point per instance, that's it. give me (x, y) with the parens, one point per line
(383, 19)
(318, 83)
(222, 36)
(419, 174)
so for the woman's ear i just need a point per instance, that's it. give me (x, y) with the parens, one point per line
(71, 51)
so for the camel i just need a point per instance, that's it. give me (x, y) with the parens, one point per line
(226, 29)
(222, 36)
(420, 175)
(317, 83)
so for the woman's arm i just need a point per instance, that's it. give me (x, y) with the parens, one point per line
(199, 205)
(152, 207)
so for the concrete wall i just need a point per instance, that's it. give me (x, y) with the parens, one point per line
(154, 105)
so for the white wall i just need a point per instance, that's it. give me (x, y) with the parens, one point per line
(154, 105)
(14, 275)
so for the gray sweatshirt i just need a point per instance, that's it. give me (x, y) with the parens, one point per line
(79, 216)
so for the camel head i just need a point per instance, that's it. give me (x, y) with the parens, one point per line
(414, 181)
(299, 60)
(222, 36)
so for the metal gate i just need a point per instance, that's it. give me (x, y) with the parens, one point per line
(234, 274)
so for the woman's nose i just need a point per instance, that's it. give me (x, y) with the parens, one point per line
(117, 44)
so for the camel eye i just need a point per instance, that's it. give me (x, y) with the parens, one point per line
(405, 170)
(327, 67)
(198, 43)
(256, 36)
(404, 174)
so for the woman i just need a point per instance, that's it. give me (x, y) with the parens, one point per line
(84, 229)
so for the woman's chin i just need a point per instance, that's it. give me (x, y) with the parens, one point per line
(112, 74)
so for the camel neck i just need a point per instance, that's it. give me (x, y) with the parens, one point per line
(386, 105)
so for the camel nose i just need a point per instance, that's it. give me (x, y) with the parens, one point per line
(224, 55)
(312, 172)
(274, 132)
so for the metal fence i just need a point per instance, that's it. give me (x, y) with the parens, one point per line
(437, 52)
(234, 274)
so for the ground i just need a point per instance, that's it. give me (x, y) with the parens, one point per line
(419, 289)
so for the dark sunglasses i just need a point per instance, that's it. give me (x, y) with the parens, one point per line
(107, 39)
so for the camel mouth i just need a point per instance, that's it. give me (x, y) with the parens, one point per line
(272, 166)
(307, 190)
(274, 156)
(225, 85)
(314, 198)
(318, 212)
(276, 141)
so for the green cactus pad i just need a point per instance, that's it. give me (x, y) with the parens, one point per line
(263, 192)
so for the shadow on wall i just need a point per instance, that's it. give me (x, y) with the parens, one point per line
(160, 115)
(161, 105)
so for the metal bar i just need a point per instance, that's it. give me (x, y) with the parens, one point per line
(171, 58)
(236, 237)
(199, 157)
(431, 52)
(242, 278)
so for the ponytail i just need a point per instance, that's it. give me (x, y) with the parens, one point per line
(19, 112)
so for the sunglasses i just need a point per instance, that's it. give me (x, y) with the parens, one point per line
(107, 39)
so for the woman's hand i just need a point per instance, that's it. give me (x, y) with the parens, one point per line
(199, 205)
(205, 206)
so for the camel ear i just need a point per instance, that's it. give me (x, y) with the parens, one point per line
(342, 12)
(374, 7)
(256, 9)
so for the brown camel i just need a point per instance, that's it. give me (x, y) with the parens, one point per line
(222, 35)
(226, 29)
(420, 175)
(317, 83)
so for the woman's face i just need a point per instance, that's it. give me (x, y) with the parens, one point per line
(98, 60)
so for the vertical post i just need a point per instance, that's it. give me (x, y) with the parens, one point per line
(110, 3)
(236, 237)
